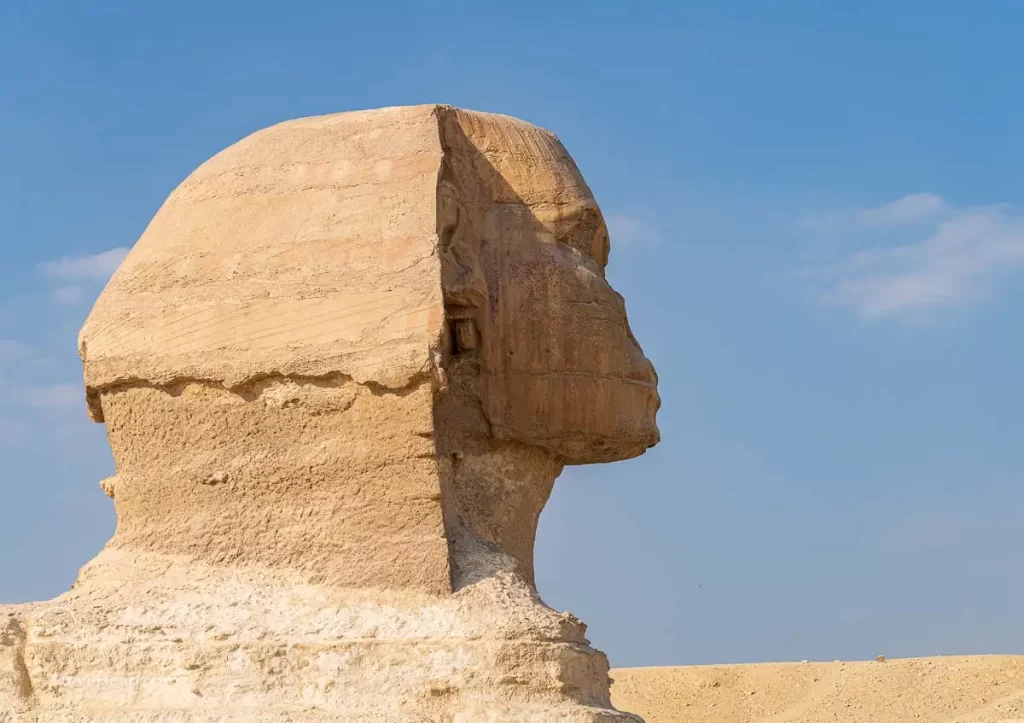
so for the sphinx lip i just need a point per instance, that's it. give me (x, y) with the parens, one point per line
(647, 385)
(645, 381)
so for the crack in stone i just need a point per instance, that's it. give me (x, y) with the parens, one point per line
(245, 388)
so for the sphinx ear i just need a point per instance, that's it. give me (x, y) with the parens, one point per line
(466, 330)
(462, 279)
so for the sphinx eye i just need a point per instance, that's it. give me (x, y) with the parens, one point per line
(601, 245)
(586, 232)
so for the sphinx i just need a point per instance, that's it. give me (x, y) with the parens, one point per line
(340, 372)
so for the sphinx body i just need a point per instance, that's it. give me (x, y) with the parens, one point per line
(340, 372)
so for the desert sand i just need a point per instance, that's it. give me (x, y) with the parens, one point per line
(974, 689)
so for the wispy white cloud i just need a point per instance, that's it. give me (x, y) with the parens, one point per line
(89, 267)
(956, 259)
(909, 209)
(76, 279)
(629, 231)
(53, 396)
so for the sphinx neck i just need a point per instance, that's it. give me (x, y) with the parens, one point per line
(492, 504)
(327, 478)
(332, 480)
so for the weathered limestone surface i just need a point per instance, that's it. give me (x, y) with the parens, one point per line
(340, 372)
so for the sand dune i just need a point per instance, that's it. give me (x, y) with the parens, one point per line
(975, 689)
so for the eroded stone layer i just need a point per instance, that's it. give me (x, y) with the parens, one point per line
(146, 637)
(329, 478)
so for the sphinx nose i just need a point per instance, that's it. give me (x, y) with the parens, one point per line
(651, 374)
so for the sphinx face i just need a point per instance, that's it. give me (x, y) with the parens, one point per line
(561, 369)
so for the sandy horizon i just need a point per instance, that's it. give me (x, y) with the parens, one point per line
(945, 689)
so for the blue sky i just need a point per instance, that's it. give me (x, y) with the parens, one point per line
(817, 220)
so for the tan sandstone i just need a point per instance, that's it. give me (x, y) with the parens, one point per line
(340, 372)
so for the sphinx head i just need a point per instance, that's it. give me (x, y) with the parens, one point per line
(326, 317)
(523, 249)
